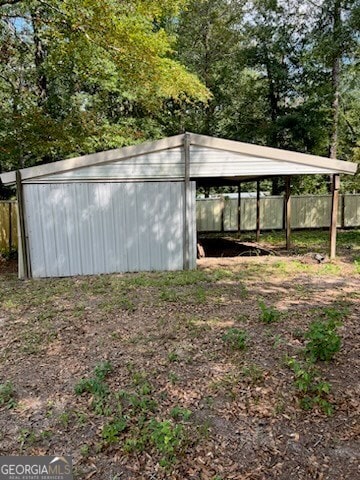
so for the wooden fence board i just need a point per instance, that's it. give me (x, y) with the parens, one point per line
(8, 226)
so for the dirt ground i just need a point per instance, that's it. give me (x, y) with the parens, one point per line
(166, 337)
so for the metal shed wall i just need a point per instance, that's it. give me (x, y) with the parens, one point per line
(93, 228)
(169, 165)
(165, 164)
(211, 162)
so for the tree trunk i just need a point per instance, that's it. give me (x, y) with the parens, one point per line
(335, 78)
(39, 57)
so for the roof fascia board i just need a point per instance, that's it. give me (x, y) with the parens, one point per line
(94, 159)
(273, 153)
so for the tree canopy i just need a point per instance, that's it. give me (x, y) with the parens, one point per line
(79, 76)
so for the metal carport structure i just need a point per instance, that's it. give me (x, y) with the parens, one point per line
(133, 208)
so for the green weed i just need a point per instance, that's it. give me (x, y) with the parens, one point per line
(254, 373)
(167, 439)
(173, 357)
(96, 386)
(112, 430)
(85, 450)
(173, 378)
(323, 340)
(179, 413)
(7, 395)
(236, 339)
(357, 264)
(312, 390)
(268, 314)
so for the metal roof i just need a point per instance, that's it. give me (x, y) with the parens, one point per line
(210, 157)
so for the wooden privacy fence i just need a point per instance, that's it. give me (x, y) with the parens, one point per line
(307, 211)
(8, 226)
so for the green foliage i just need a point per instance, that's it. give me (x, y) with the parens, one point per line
(323, 340)
(268, 314)
(112, 430)
(167, 439)
(130, 416)
(179, 413)
(235, 339)
(173, 356)
(102, 370)
(312, 390)
(254, 373)
(7, 395)
(97, 387)
(357, 264)
(78, 77)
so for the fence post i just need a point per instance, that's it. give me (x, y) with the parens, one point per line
(21, 213)
(258, 211)
(343, 210)
(222, 214)
(239, 208)
(288, 211)
(335, 186)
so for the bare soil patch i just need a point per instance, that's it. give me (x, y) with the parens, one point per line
(163, 335)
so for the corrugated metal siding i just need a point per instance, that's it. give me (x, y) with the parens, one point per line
(209, 162)
(152, 166)
(92, 228)
(169, 164)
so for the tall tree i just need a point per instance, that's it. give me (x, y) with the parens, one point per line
(80, 73)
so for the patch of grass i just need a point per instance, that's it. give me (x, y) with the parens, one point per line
(235, 339)
(329, 269)
(65, 419)
(357, 264)
(173, 378)
(254, 373)
(7, 395)
(169, 295)
(268, 314)
(27, 438)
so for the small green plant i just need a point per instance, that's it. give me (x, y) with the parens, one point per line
(173, 378)
(173, 356)
(268, 314)
(167, 439)
(96, 386)
(254, 373)
(85, 450)
(64, 419)
(179, 413)
(236, 339)
(323, 340)
(102, 370)
(312, 389)
(7, 395)
(111, 430)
